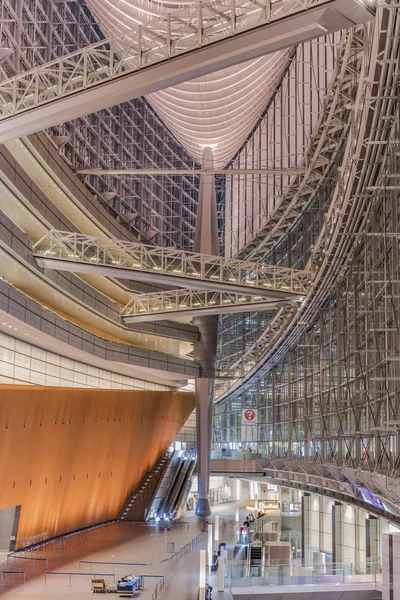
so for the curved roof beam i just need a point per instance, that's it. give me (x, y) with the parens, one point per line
(172, 49)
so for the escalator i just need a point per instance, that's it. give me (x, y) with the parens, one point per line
(174, 487)
(183, 487)
(255, 559)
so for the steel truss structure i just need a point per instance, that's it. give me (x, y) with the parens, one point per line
(200, 24)
(182, 303)
(281, 140)
(340, 483)
(303, 205)
(161, 209)
(79, 252)
(327, 388)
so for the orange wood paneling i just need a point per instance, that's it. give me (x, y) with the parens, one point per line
(71, 456)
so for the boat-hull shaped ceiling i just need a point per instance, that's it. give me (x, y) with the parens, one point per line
(217, 110)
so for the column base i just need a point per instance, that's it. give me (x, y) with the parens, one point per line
(203, 507)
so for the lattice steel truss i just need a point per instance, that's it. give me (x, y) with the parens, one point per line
(193, 269)
(280, 139)
(199, 24)
(292, 228)
(181, 303)
(328, 388)
(161, 209)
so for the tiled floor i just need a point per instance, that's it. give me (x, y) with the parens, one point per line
(122, 542)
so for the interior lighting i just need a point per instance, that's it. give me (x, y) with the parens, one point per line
(210, 545)
(202, 574)
(216, 536)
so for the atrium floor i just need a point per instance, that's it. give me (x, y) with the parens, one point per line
(120, 542)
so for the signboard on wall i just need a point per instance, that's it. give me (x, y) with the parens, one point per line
(249, 425)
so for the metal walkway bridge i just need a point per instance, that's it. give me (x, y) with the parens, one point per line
(202, 38)
(212, 284)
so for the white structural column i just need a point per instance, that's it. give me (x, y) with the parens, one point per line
(306, 515)
(202, 574)
(205, 351)
(204, 406)
(216, 534)
(337, 535)
(206, 232)
(360, 540)
(391, 566)
(372, 543)
(210, 547)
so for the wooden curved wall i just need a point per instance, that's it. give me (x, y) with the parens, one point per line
(70, 456)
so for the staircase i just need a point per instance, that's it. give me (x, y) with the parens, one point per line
(135, 508)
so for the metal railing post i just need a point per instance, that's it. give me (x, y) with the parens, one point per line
(139, 46)
(169, 42)
(233, 16)
(199, 23)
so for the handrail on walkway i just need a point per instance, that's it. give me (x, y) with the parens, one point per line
(76, 574)
(12, 573)
(171, 561)
(113, 563)
(15, 556)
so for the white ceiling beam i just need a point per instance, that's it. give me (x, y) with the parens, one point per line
(190, 172)
(131, 65)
